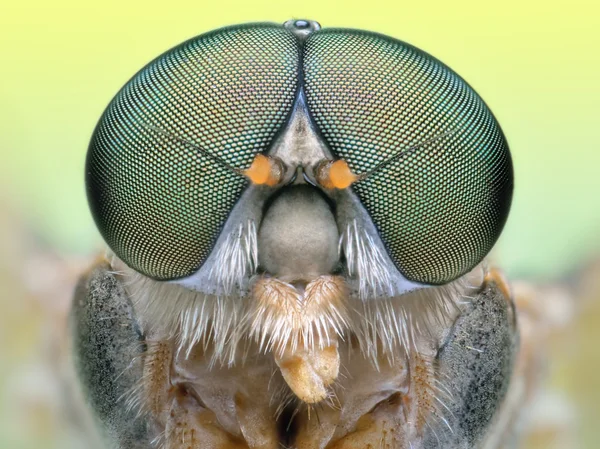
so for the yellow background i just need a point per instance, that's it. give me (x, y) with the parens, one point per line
(536, 64)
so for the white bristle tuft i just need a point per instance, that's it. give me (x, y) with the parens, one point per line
(384, 323)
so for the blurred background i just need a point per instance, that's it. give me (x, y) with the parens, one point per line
(536, 64)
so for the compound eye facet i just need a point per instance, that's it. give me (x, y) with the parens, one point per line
(158, 201)
(441, 201)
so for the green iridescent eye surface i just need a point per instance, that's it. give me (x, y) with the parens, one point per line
(440, 207)
(158, 202)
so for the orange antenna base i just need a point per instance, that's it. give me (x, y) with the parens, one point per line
(264, 170)
(335, 175)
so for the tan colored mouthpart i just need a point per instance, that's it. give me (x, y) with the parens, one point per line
(308, 373)
(335, 175)
(265, 170)
(307, 356)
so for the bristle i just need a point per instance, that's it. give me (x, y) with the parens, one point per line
(365, 262)
(237, 258)
(390, 325)
(156, 376)
(279, 317)
(428, 398)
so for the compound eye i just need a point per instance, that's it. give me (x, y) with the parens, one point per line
(158, 201)
(441, 182)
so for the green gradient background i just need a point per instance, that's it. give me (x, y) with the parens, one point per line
(536, 64)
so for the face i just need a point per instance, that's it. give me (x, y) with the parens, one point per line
(262, 168)
(249, 128)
